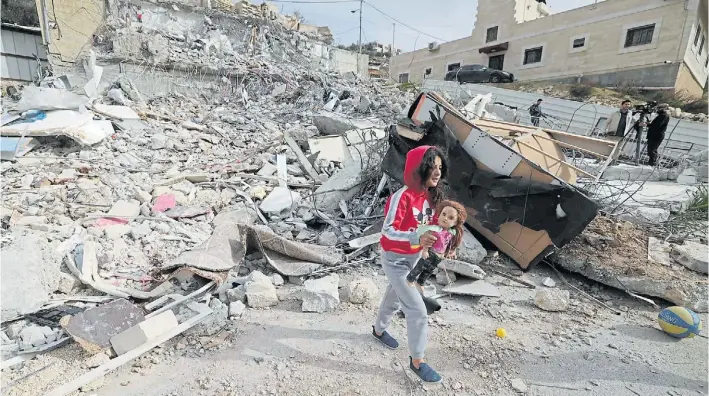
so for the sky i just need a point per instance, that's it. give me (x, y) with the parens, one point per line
(445, 23)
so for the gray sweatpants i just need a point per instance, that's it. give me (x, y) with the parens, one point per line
(400, 295)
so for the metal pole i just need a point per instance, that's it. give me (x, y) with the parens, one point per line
(360, 35)
(393, 37)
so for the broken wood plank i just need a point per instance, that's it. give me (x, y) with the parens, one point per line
(307, 167)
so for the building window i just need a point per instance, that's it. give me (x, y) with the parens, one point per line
(427, 72)
(579, 42)
(453, 66)
(491, 34)
(496, 62)
(701, 45)
(403, 78)
(533, 55)
(639, 36)
(697, 34)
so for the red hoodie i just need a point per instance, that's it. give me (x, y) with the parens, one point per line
(407, 209)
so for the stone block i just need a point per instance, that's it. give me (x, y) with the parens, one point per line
(94, 328)
(321, 295)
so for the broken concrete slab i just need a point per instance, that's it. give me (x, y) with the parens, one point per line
(446, 278)
(362, 291)
(143, 332)
(645, 215)
(634, 172)
(114, 111)
(659, 251)
(462, 268)
(260, 292)
(342, 185)
(125, 209)
(692, 255)
(67, 283)
(470, 250)
(236, 309)
(93, 328)
(279, 200)
(553, 300)
(321, 295)
(29, 272)
(473, 288)
(684, 287)
(32, 336)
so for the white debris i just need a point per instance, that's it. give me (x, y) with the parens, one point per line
(692, 255)
(362, 291)
(321, 295)
(549, 282)
(260, 292)
(553, 300)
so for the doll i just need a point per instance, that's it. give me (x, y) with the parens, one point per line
(449, 233)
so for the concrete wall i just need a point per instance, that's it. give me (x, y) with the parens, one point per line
(19, 47)
(693, 73)
(346, 61)
(72, 25)
(603, 25)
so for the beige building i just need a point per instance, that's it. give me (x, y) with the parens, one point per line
(656, 44)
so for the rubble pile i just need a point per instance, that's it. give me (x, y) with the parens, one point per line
(130, 216)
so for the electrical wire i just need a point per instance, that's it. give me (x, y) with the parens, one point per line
(401, 23)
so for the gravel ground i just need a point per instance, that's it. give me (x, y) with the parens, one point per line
(585, 350)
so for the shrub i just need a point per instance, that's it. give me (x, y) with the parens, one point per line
(580, 91)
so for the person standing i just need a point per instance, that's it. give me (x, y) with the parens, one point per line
(406, 210)
(619, 125)
(656, 132)
(535, 111)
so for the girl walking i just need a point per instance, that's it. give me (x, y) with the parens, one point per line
(410, 207)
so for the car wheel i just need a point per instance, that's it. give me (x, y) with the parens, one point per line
(494, 78)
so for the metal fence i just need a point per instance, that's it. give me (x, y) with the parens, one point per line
(22, 53)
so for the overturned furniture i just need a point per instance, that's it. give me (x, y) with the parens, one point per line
(519, 204)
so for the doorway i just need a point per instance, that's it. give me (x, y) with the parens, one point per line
(496, 62)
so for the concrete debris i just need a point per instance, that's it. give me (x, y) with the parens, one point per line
(237, 294)
(462, 268)
(659, 251)
(327, 238)
(96, 360)
(260, 292)
(518, 385)
(236, 309)
(321, 295)
(553, 300)
(692, 255)
(549, 282)
(143, 332)
(445, 278)
(645, 215)
(471, 251)
(279, 200)
(94, 328)
(362, 291)
(473, 288)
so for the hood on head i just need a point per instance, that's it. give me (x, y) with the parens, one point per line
(413, 160)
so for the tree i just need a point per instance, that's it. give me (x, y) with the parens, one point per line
(299, 16)
(20, 12)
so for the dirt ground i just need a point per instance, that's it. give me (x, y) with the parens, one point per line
(586, 350)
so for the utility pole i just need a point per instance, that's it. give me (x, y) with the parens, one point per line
(393, 36)
(360, 35)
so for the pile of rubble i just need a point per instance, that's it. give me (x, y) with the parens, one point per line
(130, 217)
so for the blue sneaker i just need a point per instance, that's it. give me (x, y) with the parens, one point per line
(425, 372)
(386, 339)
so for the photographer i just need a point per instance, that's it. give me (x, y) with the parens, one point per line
(656, 132)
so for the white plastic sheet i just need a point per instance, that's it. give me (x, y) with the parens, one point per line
(78, 126)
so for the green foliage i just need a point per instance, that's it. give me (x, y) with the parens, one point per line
(699, 200)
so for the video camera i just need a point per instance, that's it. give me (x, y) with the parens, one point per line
(647, 108)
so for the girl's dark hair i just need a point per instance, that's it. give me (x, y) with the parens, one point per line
(428, 162)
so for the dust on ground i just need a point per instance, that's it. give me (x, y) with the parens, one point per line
(586, 350)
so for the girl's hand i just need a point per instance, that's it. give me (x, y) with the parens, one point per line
(452, 255)
(425, 254)
(427, 240)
